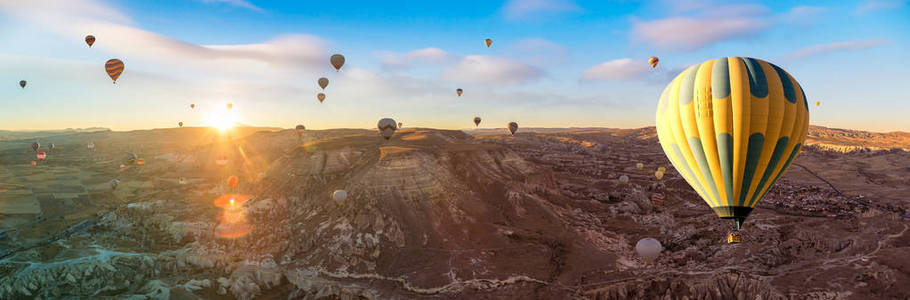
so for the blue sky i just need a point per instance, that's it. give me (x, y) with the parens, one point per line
(554, 63)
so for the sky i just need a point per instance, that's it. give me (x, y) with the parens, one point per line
(553, 63)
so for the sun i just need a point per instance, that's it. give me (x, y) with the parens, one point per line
(221, 118)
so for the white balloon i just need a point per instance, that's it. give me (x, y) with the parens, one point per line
(649, 249)
(339, 196)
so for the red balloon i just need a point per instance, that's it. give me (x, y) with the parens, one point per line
(42, 156)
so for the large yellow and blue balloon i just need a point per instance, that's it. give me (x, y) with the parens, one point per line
(731, 126)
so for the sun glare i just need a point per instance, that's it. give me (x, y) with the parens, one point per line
(221, 118)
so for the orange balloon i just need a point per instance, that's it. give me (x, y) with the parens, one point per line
(34, 163)
(233, 181)
(140, 162)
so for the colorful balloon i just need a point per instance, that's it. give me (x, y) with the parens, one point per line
(140, 162)
(624, 179)
(488, 42)
(91, 145)
(323, 82)
(387, 128)
(731, 127)
(114, 68)
(459, 91)
(41, 156)
(639, 166)
(114, 183)
(35, 146)
(476, 121)
(399, 125)
(229, 106)
(659, 174)
(192, 106)
(337, 61)
(182, 180)
(90, 40)
(34, 163)
(661, 169)
(180, 124)
(513, 127)
(653, 61)
(320, 97)
(129, 158)
(817, 103)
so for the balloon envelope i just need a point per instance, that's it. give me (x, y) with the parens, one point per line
(459, 91)
(488, 42)
(114, 68)
(337, 61)
(35, 146)
(90, 40)
(22, 83)
(233, 181)
(339, 196)
(387, 127)
(476, 121)
(653, 61)
(129, 158)
(648, 249)
(41, 156)
(731, 127)
(513, 127)
(114, 183)
(659, 174)
(624, 179)
(323, 82)
(321, 97)
(639, 166)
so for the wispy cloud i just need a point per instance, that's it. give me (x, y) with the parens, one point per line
(875, 5)
(402, 61)
(617, 69)
(709, 26)
(492, 70)
(523, 9)
(538, 51)
(834, 47)
(803, 14)
(237, 3)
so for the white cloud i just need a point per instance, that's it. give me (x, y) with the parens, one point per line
(834, 47)
(617, 69)
(874, 5)
(520, 9)
(395, 61)
(237, 3)
(710, 26)
(494, 70)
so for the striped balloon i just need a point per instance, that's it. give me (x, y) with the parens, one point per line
(114, 68)
(90, 40)
(731, 127)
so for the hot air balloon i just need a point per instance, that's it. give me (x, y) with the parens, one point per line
(658, 174)
(41, 156)
(122, 167)
(459, 91)
(35, 146)
(657, 198)
(91, 145)
(653, 61)
(233, 181)
(488, 42)
(323, 82)
(51, 146)
(90, 40)
(337, 61)
(624, 179)
(114, 68)
(648, 249)
(639, 166)
(399, 125)
(817, 103)
(192, 106)
(180, 124)
(320, 97)
(140, 162)
(181, 180)
(129, 158)
(22, 83)
(34, 163)
(229, 106)
(476, 121)
(387, 128)
(731, 127)
(114, 183)
(513, 127)
(339, 196)
(299, 129)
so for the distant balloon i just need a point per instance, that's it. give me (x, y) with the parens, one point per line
(192, 106)
(300, 129)
(653, 61)
(321, 97)
(649, 249)
(513, 127)
(91, 145)
(114, 68)
(51, 146)
(337, 61)
(140, 162)
(41, 156)
(35, 146)
(221, 161)
(233, 181)
(387, 128)
(323, 82)
(659, 174)
(339, 196)
(229, 105)
(90, 40)
(817, 103)
(662, 169)
(122, 167)
(399, 125)
(129, 158)
(476, 121)
(182, 180)
(22, 83)
(624, 179)
(488, 42)
(459, 91)
(34, 163)
(639, 166)
(180, 124)
(114, 184)
(657, 198)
